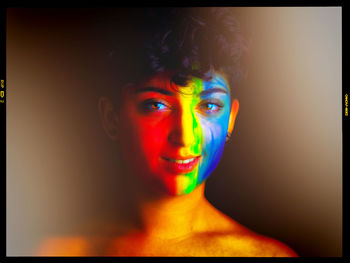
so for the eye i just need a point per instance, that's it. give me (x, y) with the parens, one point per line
(210, 107)
(153, 106)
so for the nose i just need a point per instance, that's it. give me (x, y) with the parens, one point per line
(185, 129)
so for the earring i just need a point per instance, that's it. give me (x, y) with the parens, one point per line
(228, 136)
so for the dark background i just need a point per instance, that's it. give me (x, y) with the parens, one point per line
(281, 172)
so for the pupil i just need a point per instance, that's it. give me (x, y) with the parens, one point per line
(156, 105)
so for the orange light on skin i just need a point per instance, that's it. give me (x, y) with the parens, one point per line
(233, 115)
(68, 247)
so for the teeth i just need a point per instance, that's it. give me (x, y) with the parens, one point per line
(182, 161)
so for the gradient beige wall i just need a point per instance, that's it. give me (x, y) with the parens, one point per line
(281, 174)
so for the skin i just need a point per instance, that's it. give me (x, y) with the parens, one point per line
(163, 121)
(159, 121)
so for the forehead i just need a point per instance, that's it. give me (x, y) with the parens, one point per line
(194, 86)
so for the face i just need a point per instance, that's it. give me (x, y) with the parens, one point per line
(173, 136)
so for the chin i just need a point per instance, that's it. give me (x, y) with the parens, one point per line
(184, 185)
(185, 191)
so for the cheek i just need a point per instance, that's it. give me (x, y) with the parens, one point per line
(144, 139)
(214, 138)
(214, 133)
(152, 136)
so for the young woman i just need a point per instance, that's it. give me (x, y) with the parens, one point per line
(172, 112)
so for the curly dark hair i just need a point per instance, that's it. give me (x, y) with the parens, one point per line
(189, 41)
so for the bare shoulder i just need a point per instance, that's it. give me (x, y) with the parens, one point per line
(237, 240)
(72, 246)
(63, 246)
(242, 242)
(254, 245)
(93, 239)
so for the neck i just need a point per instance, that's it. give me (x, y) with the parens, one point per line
(172, 217)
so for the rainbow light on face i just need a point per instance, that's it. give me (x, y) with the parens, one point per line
(202, 135)
(179, 129)
(192, 133)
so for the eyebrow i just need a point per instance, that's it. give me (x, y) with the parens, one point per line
(212, 90)
(155, 89)
(170, 93)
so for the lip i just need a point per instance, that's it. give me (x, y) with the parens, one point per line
(180, 165)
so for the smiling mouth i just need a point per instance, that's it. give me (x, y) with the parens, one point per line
(181, 166)
(180, 161)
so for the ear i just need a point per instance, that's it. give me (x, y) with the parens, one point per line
(109, 118)
(233, 115)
